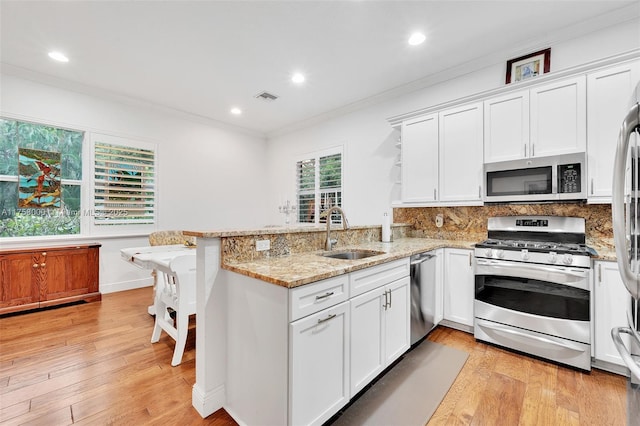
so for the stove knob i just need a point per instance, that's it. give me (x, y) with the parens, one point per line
(568, 259)
(488, 252)
(524, 254)
(553, 257)
(500, 253)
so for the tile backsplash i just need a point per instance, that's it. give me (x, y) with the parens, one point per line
(470, 222)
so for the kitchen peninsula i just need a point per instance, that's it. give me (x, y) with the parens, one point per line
(233, 282)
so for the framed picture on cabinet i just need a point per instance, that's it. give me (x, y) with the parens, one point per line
(528, 66)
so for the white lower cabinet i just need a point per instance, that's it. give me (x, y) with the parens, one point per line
(459, 286)
(291, 352)
(610, 310)
(319, 365)
(379, 331)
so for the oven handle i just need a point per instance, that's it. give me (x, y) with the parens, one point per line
(622, 349)
(506, 330)
(541, 272)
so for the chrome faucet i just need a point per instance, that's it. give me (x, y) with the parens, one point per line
(345, 225)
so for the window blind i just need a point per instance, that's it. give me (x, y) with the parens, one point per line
(124, 185)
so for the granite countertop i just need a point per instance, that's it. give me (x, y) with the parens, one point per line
(303, 268)
(272, 230)
(605, 248)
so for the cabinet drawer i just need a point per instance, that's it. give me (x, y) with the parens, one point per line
(308, 299)
(370, 278)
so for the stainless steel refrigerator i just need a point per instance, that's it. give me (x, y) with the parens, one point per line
(626, 232)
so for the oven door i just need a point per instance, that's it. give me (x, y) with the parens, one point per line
(541, 310)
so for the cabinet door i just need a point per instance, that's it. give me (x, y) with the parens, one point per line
(558, 118)
(20, 276)
(608, 95)
(420, 159)
(461, 153)
(506, 127)
(611, 303)
(68, 273)
(458, 286)
(397, 320)
(319, 365)
(367, 327)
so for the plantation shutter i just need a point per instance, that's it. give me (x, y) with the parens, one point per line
(306, 170)
(319, 182)
(124, 185)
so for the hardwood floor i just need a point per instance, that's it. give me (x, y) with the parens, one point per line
(498, 387)
(93, 364)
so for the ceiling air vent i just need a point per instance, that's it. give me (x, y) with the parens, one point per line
(266, 96)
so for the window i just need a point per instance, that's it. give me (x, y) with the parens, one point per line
(26, 175)
(319, 181)
(43, 191)
(124, 182)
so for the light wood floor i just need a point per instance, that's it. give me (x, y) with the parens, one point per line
(92, 364)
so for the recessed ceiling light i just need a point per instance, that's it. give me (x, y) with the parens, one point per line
(298, 78)
(58, 56)
(235, 111)
(416, 39)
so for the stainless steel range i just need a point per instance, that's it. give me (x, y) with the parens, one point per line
(533, 288)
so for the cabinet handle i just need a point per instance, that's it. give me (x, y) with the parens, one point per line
(35, 265)
(600, 273)
(321, 320)
(44, 253)
(43, 265)
(434, 194)
(533, 150)
(470, 261)
(389, 298)
(324, 296)
(479, 191)
(591, 186)
(525, 150)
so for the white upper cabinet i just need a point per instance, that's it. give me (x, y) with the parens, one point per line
(442, 157)
(506, 127)
(461, 154)
(420, 159)
(608, 95)
(558, 114)
(545, 120)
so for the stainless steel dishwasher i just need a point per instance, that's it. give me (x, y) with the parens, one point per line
(423, 295)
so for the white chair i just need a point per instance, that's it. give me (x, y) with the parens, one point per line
(176, 290)
(165, 238)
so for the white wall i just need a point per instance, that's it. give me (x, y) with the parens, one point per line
(209, 176)
(369, 140)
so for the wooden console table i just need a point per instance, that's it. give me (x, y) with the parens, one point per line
(37, 277)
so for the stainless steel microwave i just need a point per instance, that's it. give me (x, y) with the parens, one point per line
(537, 179)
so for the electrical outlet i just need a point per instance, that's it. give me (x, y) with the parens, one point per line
(439, 220)
(262, 245)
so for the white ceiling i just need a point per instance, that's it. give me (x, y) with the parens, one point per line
(203, 57)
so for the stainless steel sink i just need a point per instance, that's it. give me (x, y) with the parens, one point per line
(351, 254)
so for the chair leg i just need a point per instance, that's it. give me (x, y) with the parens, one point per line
(157, 328)
(182, 327)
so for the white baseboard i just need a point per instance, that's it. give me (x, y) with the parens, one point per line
(125, 285)
(207, 403)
